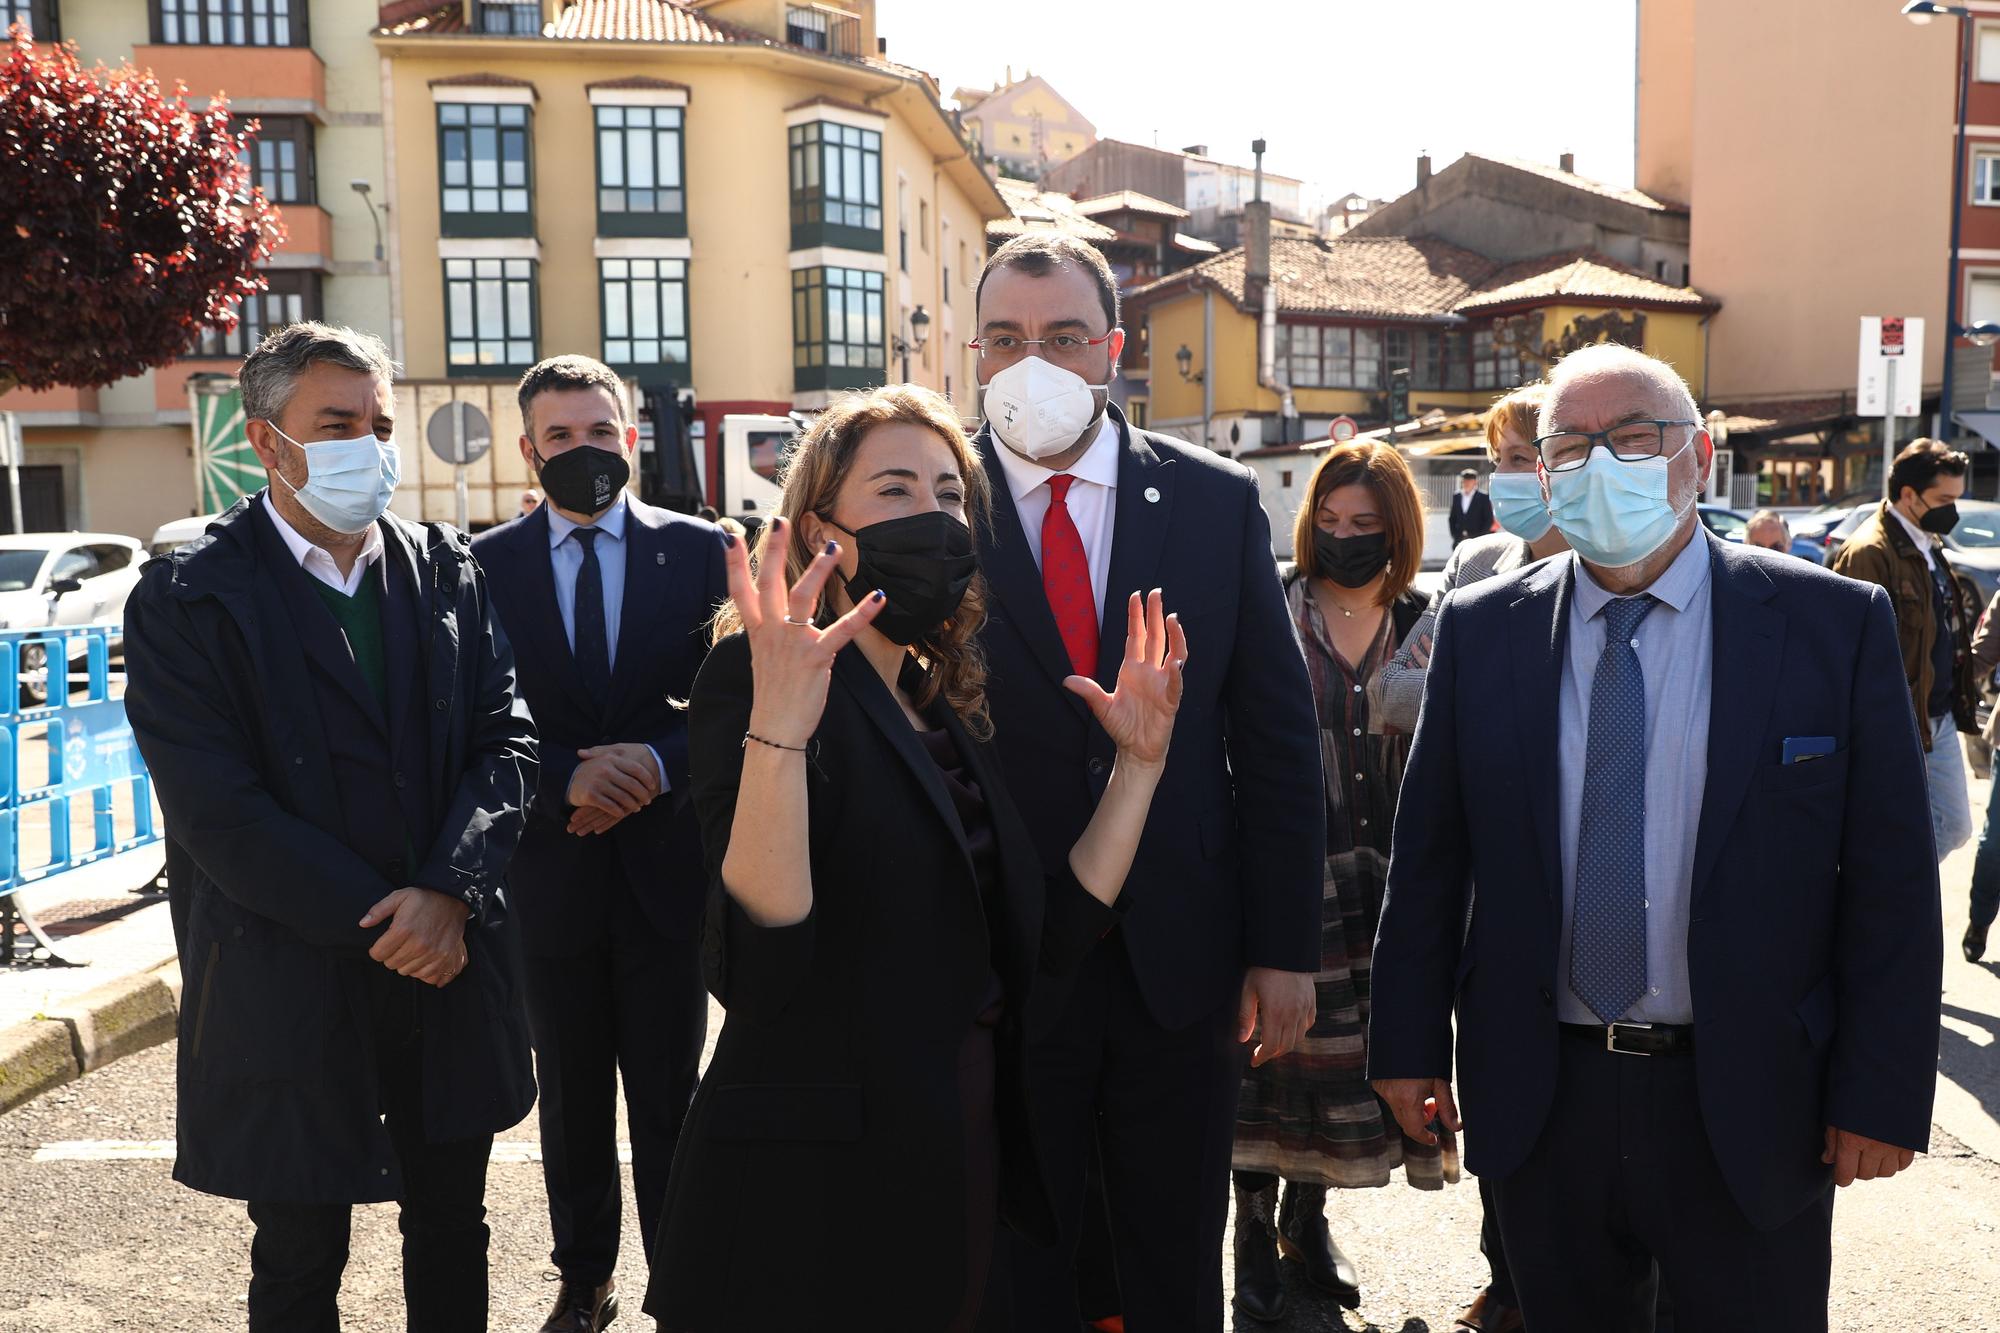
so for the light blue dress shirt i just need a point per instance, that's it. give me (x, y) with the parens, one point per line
(1675, 644)
(566, 556)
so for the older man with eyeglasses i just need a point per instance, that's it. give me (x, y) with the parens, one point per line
(1694, 966)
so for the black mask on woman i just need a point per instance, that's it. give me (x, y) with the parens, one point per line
(924, 563)
(1350, 561)
(1939, 519)
(583, 480)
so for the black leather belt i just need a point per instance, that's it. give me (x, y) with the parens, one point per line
(1636, 1038)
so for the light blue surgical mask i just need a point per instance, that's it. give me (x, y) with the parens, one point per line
(1615, 514)
(348, 482)
(1518, 504)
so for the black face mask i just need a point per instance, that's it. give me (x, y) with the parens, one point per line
(583, 480)
(923, 562)
(1939, 519)
(1350, 561)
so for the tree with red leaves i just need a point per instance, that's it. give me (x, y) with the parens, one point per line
(127, 221)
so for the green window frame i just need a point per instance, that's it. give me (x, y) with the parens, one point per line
(644, 314)
(836, 186)
(839, 338)
(641, 170)
(228, 23)
(486, 182)
(492, 316)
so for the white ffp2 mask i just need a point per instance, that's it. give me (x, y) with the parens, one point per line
(1038, 409)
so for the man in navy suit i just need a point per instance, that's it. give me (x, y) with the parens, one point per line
(606, 602)
(1221, 932)
(1669, 890)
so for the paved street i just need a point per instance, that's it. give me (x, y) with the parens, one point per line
(103, 1239)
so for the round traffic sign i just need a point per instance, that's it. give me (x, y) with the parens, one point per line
(459, 433)
(1344, 429)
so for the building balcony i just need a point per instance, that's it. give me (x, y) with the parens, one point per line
(273, 80)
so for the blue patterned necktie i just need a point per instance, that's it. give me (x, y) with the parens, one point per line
(593, 643)
(1607, 957)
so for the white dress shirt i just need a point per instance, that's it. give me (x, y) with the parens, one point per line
(318, 562)
(1092, 501)
(1925, 542)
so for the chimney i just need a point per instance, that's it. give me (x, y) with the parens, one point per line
(1568, 163)
(1257, 234)
(881, 46)
(1010, 77)
(1423, 170)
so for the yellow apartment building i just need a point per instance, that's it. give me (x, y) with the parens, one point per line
(739, 200)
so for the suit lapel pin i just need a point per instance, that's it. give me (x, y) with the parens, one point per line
(659, 557)
(1152, 495)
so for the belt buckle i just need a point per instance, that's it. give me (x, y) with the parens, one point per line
(1611, 1031)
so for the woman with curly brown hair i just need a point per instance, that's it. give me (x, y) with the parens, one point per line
(878, 919)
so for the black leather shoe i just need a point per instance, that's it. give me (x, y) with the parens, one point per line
(581, 1309)
(1303, 1235)
(1260, 1286)
(1974, 943)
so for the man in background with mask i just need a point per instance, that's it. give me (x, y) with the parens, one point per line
(1221, 935)
(1697, 986)
(1901, 547)
(606, 602)
(326, 709)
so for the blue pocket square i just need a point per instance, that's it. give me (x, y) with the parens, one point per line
(1798, 749)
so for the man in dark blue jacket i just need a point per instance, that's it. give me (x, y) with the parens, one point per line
(327, 714)
(1696, 982)
(606, 602)
(1221, 934)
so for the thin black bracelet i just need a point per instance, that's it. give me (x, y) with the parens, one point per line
(749, 736)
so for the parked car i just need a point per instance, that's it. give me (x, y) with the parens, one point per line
(1730, 526)
(1974, 545)
(179, 532)
(64, 578)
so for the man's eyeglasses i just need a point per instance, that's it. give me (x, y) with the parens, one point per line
(1629, 442)
(1063, 348)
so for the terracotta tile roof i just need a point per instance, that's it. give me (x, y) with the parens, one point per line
(1035, 209)
(644, 21)
(1584, 275)
(480, 81)
(1129, 201)
(1637, 198)
(1388, 277)
(1195, 245)
(401, 11)
(1786, 416)
(430, 20)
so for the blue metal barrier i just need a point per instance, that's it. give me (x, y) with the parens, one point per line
(64, 739)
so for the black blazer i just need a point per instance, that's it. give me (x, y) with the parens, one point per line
(1229, 870)
(1475, 520)
(833, 1094)
(1814, 941)
(277, 1092)
(674, 579)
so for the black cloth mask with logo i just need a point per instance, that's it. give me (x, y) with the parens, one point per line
(583, 480)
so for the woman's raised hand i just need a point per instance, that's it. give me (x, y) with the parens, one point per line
(791, 658)
(1139, 714)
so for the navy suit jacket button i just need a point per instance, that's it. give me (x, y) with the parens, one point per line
(1096, 768)
(1548, 997)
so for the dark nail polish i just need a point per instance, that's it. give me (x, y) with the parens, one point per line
(831, 547)
(881, 596)
(728, 539)
(777, 524)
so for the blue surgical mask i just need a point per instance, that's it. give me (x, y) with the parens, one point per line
(348, 482)
(1615, 514)
(1518, 504)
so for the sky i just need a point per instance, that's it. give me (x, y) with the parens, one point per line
(1346, 92)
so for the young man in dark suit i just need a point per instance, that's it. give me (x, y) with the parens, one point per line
(1221, 937)
(1471, 512)
(606, 601)
(1697, 987)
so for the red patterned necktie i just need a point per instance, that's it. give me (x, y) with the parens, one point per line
(1066, 580)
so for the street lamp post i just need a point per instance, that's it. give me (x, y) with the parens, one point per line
(920, 333)
(1921, 12)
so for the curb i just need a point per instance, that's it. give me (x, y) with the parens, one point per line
(87, 1032)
